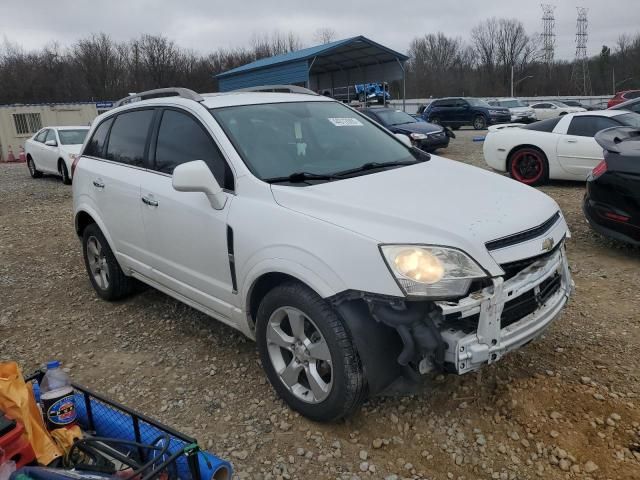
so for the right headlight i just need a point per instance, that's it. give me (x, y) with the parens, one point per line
(430, 271)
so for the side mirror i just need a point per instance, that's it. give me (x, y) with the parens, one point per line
(404, 139)
(51, 143)
(195, 176)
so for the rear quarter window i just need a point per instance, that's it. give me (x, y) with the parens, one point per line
(96, 146)
(544, 125)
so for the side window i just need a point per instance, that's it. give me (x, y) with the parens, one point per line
(182, 139)
(630, 95)
(461, 103)
(128, 138)
(589, 126)
(42, 135)
(51, 135)
(96, 146)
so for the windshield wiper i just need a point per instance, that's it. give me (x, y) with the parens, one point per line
(422, 157)
(299, 177)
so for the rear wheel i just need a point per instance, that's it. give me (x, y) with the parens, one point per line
(33, 171)
(529, 166)
(308, 354)
(105, 274)
(64, 173)
(479, 123)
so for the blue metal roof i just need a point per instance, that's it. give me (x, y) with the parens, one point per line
(306, 54)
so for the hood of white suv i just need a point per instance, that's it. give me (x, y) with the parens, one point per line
(438, 202)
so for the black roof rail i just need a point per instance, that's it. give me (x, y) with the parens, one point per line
(278, 88)
(159, 93)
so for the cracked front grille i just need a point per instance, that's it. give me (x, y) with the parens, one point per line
(524, 236)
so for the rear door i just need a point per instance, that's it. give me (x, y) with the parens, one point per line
(578, 152)
(186, 237)
(120, 145)
(462, 112)
(35, 148)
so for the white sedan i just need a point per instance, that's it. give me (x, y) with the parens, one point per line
(552, 109)
(559, 148)
(53, 150)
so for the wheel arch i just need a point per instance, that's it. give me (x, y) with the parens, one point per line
(520, 147)
(84, 217)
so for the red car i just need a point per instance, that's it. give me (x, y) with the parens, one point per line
(623, 96)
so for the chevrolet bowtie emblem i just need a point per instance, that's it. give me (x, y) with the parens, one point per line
(547, 244)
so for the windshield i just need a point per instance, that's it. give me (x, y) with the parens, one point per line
(476, 102)
(72, 137)
(395, 117)
(279, 139)
(630, 119)
(511, 103)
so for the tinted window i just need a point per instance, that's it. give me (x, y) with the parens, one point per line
(461, 103)
(541, 105)
(51, 135)
(96, 146)
(128, 137)
(181, 139)
(444, 103)
(589, 126)
(634, 94)
(544, 125)
(41, 136)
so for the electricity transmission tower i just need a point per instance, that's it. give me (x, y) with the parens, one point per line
(580, 72)
(548, 35)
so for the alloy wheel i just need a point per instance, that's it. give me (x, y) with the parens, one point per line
(32, 168)
(299, 354)
(98, 263)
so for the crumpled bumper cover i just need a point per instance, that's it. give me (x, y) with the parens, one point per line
(492, 340)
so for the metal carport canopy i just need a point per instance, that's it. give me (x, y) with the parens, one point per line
(336, 64)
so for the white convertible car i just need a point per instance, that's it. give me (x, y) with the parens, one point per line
(557, 148)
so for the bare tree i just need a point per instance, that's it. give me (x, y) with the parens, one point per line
(324, 35)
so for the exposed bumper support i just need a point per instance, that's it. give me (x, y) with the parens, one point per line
(491, 340)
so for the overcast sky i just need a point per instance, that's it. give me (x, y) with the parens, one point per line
(205, 25)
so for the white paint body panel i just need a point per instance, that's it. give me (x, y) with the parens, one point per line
(326, 235)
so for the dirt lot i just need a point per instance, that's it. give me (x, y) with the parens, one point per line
(566, 406)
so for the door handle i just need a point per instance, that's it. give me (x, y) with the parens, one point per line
(149, 201)
(98, 183)
(572, 141)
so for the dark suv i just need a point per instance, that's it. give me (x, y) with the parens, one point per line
(457, 112)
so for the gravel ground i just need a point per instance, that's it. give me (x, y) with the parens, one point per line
(565, 406)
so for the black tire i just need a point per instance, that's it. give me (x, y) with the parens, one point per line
(33, 171)
(64, 173)
(118, 284)
(348, 389)
(455, 128)
(479, 122)
(537, 171)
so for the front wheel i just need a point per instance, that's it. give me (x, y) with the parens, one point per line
(529, 166)
(105, 274)
(308, 355)
(479, 123)
(64, 173)
(33, 171)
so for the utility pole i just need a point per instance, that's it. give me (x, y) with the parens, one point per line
(580, 71)
(512, 81)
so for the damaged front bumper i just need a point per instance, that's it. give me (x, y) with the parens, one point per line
(481, 328)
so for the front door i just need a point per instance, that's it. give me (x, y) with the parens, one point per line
(578, 152)
(186, 236)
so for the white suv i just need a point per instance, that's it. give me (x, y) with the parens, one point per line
(356, 261)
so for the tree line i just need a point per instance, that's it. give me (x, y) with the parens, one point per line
(100, 68)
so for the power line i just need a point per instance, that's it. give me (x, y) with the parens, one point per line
(580, 73)
(548, 34)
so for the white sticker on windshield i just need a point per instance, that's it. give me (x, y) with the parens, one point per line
(345, 122)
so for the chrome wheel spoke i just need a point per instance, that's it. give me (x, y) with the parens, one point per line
(291, 373)
(104, 279)
(318, 386)
(276, 336)
(319, 350)
(296, 320)
(92, 248)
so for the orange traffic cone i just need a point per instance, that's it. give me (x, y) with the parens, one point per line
(10, 156)
(22, 157)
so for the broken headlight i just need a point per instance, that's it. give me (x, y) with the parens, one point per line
(437, 272)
